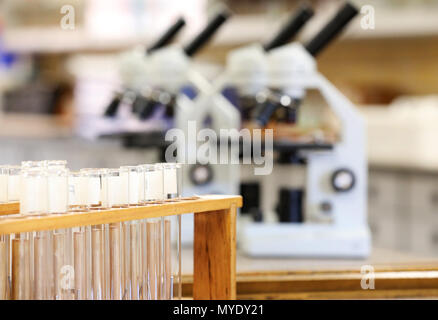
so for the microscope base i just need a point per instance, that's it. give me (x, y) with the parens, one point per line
(306, 240)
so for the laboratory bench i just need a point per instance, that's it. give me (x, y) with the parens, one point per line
(397, 275)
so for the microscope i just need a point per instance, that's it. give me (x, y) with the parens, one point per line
(133, 69)
(168, 80)
(318, 186)
(217, 109)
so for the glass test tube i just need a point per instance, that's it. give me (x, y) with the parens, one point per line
(4, 267)
(80, 272)
(58, 190)
(119, 259)
(33, 191)
(172, 176)
(153, 183)
(131, 176)
(95, 183)
(63, 239)
(117, 188)
(116, 291)
(4, 173)
(171, 226)
(153, 175)
(33, 201)
(77, 188)
(14, 175)
(21, 267)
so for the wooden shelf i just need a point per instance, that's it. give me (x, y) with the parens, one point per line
(9, 208)
(69, 220)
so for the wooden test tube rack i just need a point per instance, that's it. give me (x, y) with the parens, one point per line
(214, 240)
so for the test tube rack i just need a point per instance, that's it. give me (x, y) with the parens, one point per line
(214, 244)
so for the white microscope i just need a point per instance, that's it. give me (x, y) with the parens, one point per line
(213, 110)
(324, 215)
(133, 70)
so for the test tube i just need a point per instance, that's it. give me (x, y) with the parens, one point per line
(131, 176)
(59, 245)
(80, 285)
(135, 250)
(34, 191)
(77, 188)
(58, 190)
(14, 174)
(41, 279)
(153, 183)
(172, 176)
(171, 226)
(141, 184)
(97, 243)
(97, 188)
(4, 173)
(153, 193)
(21, 267)
(117, 188)
(154, 258)
(4, 266)
(115, 262)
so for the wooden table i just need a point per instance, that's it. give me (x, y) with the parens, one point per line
(397, 275)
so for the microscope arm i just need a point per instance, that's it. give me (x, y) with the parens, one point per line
(353, 124)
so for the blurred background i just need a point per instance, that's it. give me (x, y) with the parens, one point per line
(53, 80)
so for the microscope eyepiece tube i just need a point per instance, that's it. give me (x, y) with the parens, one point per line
(291, 28)
(332, 29)
(113, 107)
(167, 37)
(206, 33)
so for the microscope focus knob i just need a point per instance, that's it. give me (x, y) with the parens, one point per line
(343, 180)
(201, 174)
